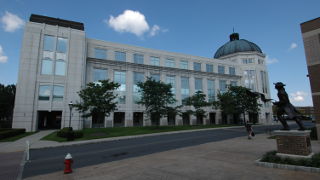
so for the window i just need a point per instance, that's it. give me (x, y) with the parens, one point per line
(100, 53)
(209, 67)
(260, 61)
(49, 43)
(46, 66)
(198, 84)
(58, 92)
(232, 71)
(137, 77)
(44, 92)
(156, 77)
(172, 80)
(196, 66)
(184, 64)
(223, 86)
(120, 77)
(263, 75)
(233, 83)
(170, 63)
(120, 56)
(221, 70)
(247, 61)
(60, 68)
(155, 61)
(62, 45)
(184, 89)
(249, 79)
(138, 58)
(211, 92)
(99, 74)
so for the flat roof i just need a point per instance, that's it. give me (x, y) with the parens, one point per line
(56, 21)
(310, 25)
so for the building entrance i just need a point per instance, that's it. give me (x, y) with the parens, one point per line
(98, 120)
(186, 119)
(118, 119)
(212, 117)
(137, 119)
(49, 120)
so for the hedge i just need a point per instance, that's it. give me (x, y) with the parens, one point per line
(69, 133)
(5, 133)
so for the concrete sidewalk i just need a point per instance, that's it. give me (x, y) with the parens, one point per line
(229, 159)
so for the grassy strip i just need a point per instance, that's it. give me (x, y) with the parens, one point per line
(14, 138)
(97, 133)
(271, 157)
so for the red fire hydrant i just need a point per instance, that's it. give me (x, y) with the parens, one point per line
(67, 164)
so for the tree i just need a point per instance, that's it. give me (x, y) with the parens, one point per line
(7, 97)
(157, 97)
(198, 101)
(238, 100)
(98, 98)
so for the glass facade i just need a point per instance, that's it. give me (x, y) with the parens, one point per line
(62, 45)
(100, 53)
(120, 56)
(211, 91)
(197, 66)
(155, 61)
(170, 63)
(172, 80)
(44, 92)
(221, 70)
(223, 86)
(49, 43)
(209, 67)
(58, 92)
(60, 68)
(156, 77)
(137, 77)
(46, 66)
(198, 84)
(138, 58)
(232, 71)
(184, 64)
(249, 79)
(120, 78)
(99, 74)
(185, 91)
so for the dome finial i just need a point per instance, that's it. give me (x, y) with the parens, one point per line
(234, 36)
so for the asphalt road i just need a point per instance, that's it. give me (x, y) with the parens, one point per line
(43, 161)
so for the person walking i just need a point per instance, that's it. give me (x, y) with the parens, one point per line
(249, 130)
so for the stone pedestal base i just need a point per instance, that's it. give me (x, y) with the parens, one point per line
(293, 142)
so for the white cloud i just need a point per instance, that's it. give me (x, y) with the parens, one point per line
(3, 58)
(298, 96)
(271, 60)
(293, 46)
(133, 22)
(11, 22)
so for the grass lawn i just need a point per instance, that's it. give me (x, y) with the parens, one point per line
(96, 133)
(14, 138)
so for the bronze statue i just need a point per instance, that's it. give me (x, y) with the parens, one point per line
(284, 107)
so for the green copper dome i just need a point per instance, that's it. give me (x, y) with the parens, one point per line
(236, 45)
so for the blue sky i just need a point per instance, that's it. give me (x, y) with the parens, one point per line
(191, 27)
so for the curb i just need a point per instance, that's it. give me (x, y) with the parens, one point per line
(287, 166)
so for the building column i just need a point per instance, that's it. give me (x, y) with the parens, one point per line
(178, 120)
(109, 120)
(164, 121)
(146, 120)
(128, 120)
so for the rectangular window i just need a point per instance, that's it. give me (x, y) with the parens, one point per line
(185, 91)
(249, 79)
(120, 78)
(223, 86)
(155, 61)
(260, 61)
(62, 45)
(100, 53)
(120, 56)
(156, 77)
(221, 70)
(197, 66)
(232, 71)
(137, 77)
(170, 63)
(209, 67)
(263, 75)
(247, 61)
(233, 83)
(184, 64)
(44, 92)
(138, 58)
(198, 84)
(99, 74)
(58, 92)
(60, 68)
(211, 91)
(49, 43)
(172, 80)
(46, 67)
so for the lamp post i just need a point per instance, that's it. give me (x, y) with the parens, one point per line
(70, 106)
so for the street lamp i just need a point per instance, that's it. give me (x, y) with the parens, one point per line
(70, 106)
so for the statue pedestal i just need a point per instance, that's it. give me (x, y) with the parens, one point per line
(293, 143)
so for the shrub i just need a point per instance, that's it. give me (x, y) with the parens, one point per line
(69, 133)
(11, 132)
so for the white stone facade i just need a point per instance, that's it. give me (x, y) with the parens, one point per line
(76, 66)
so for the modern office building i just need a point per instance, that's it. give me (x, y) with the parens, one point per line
(311, 39)
(58, 60)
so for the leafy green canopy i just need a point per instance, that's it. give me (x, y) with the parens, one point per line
(98, 98)
(198, 101)
(7, 96)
